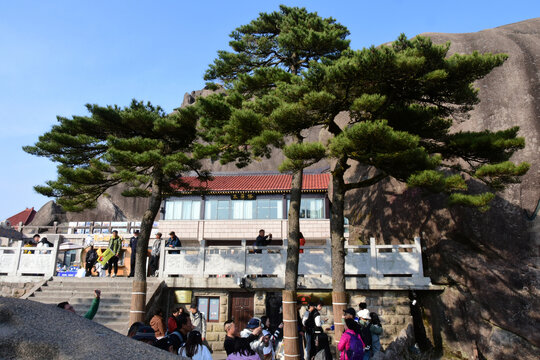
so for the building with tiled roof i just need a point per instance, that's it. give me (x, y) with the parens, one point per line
(25, 217)
(234, 206)
(279, 183)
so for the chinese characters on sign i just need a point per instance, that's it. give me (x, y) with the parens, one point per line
(243, 196)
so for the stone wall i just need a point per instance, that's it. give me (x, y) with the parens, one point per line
(391, 306)
(14, 289)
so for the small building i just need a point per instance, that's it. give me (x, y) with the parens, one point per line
(25, 217)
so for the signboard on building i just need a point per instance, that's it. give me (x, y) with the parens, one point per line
(306, 297)
(183, 296)
(244, 196)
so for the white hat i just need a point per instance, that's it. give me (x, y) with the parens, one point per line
(266, 333)
(364, 314)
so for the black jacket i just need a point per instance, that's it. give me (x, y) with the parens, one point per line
(91, 256)
(228, 344)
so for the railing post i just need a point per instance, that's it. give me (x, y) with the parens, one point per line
(373, 257)
(284, 256)
(418, 247)
(162, 255)
(202, 255)
(54, 253)
(244, 255)
(18, 253)
(328, 250)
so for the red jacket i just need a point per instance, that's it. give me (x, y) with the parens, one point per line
(171, 324)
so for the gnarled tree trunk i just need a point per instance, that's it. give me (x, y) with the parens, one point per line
(138, 293)
(290, 331)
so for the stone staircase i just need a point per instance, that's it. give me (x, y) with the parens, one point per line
(115, 297)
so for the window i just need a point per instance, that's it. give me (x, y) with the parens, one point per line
(310, 208)
(209, 307)
(182, 209)
(269, 209)
(221, 209)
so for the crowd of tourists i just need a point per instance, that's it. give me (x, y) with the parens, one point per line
(184, 333)
(110, 269)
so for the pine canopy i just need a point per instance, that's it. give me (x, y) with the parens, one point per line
(139, 146)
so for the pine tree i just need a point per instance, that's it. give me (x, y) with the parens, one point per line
(138, 146)
(402, 100)
(264, 105)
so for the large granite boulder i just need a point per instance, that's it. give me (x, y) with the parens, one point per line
(488, 261)
(33, 331)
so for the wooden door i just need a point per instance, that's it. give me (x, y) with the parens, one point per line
(241, 309)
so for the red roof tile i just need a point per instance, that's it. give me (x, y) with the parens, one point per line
(25, 216)
(263, 183)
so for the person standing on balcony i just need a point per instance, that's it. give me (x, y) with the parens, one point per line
(115, 245)
(302, 241)
(91, 258)
(42, 243)
(173, 242)
(262, 241)
(133, 245)
(154, 255)
(31, 243)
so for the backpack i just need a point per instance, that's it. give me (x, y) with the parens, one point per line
(356, 348)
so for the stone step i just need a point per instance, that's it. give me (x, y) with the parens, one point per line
(82, 292)
(103, 306)
(52, 296)
(112, 303)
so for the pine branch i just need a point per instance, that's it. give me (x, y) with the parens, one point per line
(365, 183)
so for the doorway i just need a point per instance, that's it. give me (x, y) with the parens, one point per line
(241, 309)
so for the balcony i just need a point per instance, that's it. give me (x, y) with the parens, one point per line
(366, 266)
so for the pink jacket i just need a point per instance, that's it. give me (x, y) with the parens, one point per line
(344, 345)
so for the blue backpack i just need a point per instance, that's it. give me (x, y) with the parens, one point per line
(356, 348)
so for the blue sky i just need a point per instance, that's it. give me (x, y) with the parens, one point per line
(56, 56)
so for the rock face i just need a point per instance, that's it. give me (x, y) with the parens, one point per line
(31, 330)
(488, 261)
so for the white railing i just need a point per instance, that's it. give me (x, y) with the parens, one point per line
(29, 261)
(361, 260)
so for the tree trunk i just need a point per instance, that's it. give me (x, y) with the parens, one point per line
(337, 229)
(138, 294)
(290, 329)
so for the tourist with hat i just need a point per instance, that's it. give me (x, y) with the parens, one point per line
(231, 338)
(154, 255)
(173, 242)
(145, 334)
(133, 245)
(365, 332)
